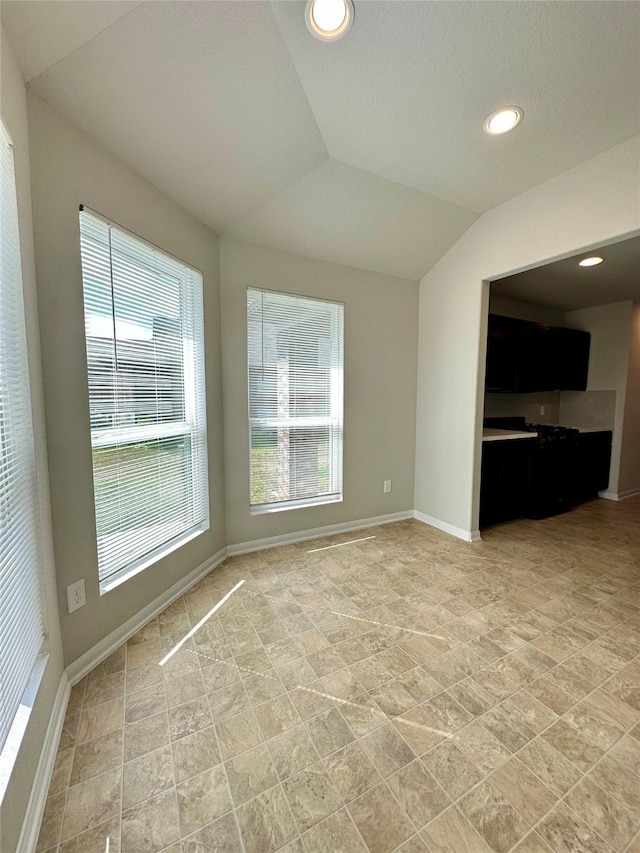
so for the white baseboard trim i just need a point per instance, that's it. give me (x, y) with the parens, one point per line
(609, 496)
(629, 493)
(95, 655)
(316, 533)
(458, 532)
(35, 808)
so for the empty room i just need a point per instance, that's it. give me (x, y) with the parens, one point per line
(320, 426)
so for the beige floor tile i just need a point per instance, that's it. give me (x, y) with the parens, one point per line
(452, 770)
(92, 802)
(189, 717)
(311, 795)
(493, 817)
(420, 728)
(381, 820)
(570, 743)
(352, 771)
(238, 733)
(532, 843)
(329, 732)
(480, 747)
(141, 704)
(549, 765)
(387, 749)
(51, 824)
(250, 773)
(604, 813)
(147, 776)
(336, 834)
(146, 735)
(61, 771)
(619, 781)
(462, 654)
(151, 826)
(529, 796)
(195, 753)
(202, 799)
(221, 836)
(451, 832)
(418, 793)
(565, 832)
(292, 751)
(101, 719)
(96, 756)
(105, 836)
(276, 715)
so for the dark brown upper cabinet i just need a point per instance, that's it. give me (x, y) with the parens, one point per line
(525, 357)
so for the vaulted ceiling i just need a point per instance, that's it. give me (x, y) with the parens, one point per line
(368, 151)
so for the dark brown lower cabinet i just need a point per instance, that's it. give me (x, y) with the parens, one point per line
(505, 479)
(521, 479)
(594, 460)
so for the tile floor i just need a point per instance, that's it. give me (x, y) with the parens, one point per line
(405, 692)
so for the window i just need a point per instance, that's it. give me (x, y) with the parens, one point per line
(21, 619)
(295, 355)
(145, 362)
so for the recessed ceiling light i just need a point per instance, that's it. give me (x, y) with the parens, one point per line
(590, 262)
(329, 20)
(503, 121)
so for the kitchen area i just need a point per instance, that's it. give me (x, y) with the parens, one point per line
(562, 387)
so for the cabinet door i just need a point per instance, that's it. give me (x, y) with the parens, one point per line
(505, 344)
(594, 460)
(570, 352)
(537, 363)
(505, 480)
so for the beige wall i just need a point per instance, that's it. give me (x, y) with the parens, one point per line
(629, 480)
(14, 803)
(69, 169)
(380, 381)
(587, 206)
(610, 327)
(525, 310)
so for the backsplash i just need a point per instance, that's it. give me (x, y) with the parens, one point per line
(591, 408)
(588, 408)
(527, 405)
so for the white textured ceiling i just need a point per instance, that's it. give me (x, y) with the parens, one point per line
(405, 94)
(567, 286)
(368, 151)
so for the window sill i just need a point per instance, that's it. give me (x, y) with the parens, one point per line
(17, 731)
(128, 572)
(264, 509)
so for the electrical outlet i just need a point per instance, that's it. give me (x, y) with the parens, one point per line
(387, 486)
(75, 595)
(543, 410)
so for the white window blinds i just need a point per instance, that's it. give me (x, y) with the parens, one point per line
(295, 363)
(21, 623)
(145, 362)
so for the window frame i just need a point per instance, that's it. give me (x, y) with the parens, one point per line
(192, 426)
(334, 423)
(23, 626)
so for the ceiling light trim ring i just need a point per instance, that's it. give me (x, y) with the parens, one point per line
(496, 130)
(592, 261)
(329, 35)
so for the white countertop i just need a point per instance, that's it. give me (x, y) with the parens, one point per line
(490, 434)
